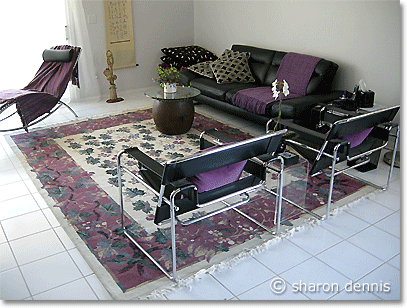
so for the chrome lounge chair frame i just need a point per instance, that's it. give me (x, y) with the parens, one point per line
(41, 118)
(168, 182)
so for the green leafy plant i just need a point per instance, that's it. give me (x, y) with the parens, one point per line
(167, 73)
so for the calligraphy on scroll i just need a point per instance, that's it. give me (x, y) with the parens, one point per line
(119, 32)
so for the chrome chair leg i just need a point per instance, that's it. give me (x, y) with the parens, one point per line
(173, 244)
(396, 141)
(279, 196)
(119, 182)
(69, 108)
(130, 237)
(331, 181)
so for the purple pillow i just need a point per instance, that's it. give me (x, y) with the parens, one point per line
(216, 178)
(357, 138)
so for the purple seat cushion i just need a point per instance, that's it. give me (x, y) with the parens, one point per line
(357, 138)
(219, 177)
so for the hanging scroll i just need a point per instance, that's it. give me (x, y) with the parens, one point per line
(119, 32)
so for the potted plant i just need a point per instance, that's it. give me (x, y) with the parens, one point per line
(167, 77)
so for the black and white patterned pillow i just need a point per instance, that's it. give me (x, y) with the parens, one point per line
(185, 56)
(203, 68)
(168, 60)
(228, 53)
(231, 67)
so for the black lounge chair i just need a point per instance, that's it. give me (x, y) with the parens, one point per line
(178, 194)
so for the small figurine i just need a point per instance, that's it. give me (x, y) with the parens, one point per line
(108, 72)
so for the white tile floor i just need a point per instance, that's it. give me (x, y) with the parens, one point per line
(338, 260)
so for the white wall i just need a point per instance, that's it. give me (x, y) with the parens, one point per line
(157, 24)
(362, 37)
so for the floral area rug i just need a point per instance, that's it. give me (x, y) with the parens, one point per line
(74, 166)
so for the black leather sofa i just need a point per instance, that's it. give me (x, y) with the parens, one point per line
(264, 64)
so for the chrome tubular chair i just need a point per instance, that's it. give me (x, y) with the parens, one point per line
(357, 141)
(42, 96)
(177, 195)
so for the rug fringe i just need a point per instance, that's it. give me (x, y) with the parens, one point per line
(307, 224)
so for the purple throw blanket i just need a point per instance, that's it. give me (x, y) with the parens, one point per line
(295, 68)
(45, 90)
(256, 99)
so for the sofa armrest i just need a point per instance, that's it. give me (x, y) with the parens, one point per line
(295, 108)
(186, 76)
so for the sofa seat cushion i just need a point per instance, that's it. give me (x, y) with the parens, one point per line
(256, 99)
(210, 88)
(232, 92)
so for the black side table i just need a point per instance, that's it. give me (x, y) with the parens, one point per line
(173, 113)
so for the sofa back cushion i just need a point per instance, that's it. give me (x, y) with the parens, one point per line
(259, 61)
(321, 79)
(264, 64)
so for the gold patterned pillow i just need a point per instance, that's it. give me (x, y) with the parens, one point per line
(232, 67)
(203, 68)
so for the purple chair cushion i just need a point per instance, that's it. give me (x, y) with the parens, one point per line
(219, 177)
(357, 138)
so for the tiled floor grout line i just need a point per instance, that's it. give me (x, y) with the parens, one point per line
(348, 237)
(376, 221)
(274, 274)
(64, 284)
(381, 260)
(375, 225)
(370, 273)
(226, 288)
(343, 240)
(42, 258)
(77, 266)
(316, 256)
(331, 298)
(19, 269)
(387, 262)
(19, 215)
(347, 240)
(24, 236)
(383, 205)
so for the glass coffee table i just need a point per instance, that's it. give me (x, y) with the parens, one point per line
(173, 113)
